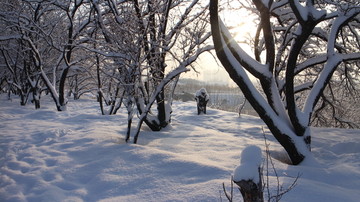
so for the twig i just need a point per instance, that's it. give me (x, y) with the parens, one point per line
(279, 192)
(229, 197)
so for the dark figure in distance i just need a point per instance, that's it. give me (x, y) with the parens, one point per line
(202, 99)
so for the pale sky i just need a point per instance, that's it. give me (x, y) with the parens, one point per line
(209, 70)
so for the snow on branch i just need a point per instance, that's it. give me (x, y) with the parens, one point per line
(333, 60)
(250, 64)
(306, 13)
(303, 86)
(351, 56)
(248, 85)
(336, 26)
(169, 77)
(310, 62)
(178, 25)
(9, 37)
(177, 71)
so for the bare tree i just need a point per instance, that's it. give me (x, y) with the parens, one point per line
(149, 44)
(289, 51)
(50, 32)
(340, 102)
(118, 56)
(174, 34)
(19, 72)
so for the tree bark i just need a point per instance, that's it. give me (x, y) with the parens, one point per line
(251, 191)
(279, 133)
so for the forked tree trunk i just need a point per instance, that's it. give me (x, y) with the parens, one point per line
(285, 134)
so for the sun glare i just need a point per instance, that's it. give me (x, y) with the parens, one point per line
(241, 24)
(242, 27)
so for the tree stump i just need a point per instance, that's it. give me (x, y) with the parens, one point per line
(251, 191)
(248, 175)
(202, 98)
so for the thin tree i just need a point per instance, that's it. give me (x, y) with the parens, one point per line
(50, 32)
(173, 34)
(150, 43)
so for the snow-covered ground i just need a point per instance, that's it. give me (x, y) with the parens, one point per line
(79, 155)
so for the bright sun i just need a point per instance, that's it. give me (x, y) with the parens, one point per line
(240, 22)
(242, 27)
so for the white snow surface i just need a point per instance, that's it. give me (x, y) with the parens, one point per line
(250, 162)
(80, 155)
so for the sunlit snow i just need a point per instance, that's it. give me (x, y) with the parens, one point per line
(80, 155)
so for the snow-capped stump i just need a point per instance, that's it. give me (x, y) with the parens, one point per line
(201, 97)
(247, 175)
(250, 161)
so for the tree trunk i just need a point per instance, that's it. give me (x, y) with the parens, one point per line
(36, 97)
(161, 110)
(22, 99)
(128, 127)
(62, 99)
(277, 125)
(250, 191)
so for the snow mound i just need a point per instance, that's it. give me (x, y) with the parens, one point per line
(250, 162)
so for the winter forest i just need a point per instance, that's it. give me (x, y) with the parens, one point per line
(94, 105)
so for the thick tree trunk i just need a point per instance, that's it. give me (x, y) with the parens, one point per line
(160, 101)
(22, 99)
(128, 126)
(277, 125)
(62, 98)
(36, 97)
(100, 95)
